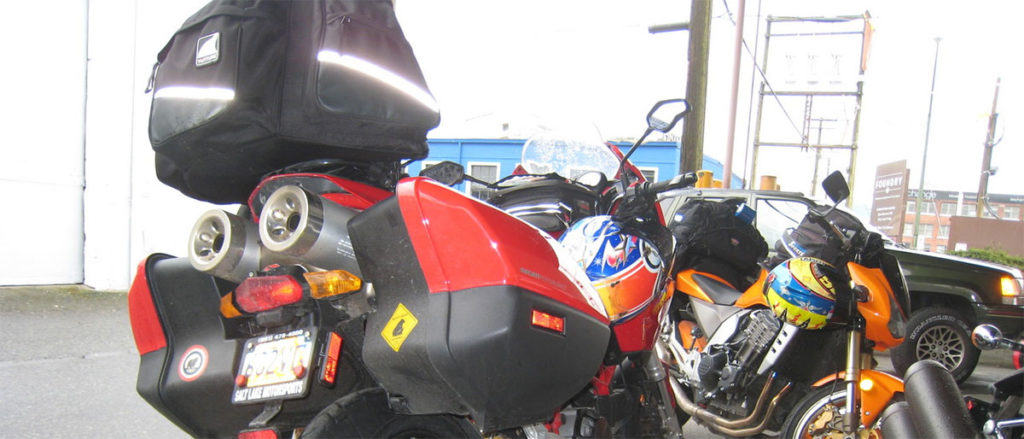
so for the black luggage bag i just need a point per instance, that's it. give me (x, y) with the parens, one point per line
(246, 87)
(711, 237)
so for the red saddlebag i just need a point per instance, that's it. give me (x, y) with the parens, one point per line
(464, 292)
(246, 87)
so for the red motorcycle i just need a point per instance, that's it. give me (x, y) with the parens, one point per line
(333, 308)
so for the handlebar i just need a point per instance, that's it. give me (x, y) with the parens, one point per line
(643, 196)
(820, 218)
(677, 182)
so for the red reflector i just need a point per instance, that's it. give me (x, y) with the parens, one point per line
(258, 434)
(330, 369)
(146, 326)
(544, 320)
(257, 294)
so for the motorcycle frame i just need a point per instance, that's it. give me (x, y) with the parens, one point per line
(868, 319)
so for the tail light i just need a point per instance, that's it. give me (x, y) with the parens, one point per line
(263, 293)
(146, 326)
(259, 434)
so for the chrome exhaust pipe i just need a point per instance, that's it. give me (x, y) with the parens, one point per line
(753, 424)
(224, 245)
(306, 227)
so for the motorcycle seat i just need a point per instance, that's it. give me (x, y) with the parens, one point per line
(719, 292)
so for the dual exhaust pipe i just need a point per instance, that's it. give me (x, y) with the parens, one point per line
(295, 226)
(934, 407)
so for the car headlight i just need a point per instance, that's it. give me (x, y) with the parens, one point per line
(1011, 290)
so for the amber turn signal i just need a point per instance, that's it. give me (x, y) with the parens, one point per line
(323, 284)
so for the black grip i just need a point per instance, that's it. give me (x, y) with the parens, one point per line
(679, 181)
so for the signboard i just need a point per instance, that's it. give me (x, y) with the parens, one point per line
(889, 204)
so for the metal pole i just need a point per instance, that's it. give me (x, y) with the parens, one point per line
(852, 171)
(924, 156)
(734, 97)
(691, 155)
(986, 160)
(760, 105)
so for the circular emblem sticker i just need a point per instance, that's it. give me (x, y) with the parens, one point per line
(193, 363)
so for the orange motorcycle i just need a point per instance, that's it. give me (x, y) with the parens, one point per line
(791, 348)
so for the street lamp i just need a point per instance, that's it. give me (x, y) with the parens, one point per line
(924, 156)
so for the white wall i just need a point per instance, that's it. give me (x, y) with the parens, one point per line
(161, 217)
(81, 203)
(42, 119)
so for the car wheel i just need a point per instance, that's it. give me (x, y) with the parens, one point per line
(938, 334)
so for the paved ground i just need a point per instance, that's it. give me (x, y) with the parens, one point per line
(68, 366)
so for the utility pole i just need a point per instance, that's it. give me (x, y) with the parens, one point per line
(924, 156)
(986, 160)
(733, 97)
(691, 155)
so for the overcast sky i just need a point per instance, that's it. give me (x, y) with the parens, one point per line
(558, 62)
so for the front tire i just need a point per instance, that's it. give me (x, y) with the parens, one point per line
(938, 334)
(366, 414)
(819, 414)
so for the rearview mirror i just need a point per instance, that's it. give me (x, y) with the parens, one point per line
(446, 172)
(836, 187)
(666, 114)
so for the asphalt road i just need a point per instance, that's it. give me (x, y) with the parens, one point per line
(68, 366)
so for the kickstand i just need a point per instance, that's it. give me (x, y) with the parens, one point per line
(270, 410)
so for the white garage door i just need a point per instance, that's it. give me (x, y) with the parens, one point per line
(42, 120)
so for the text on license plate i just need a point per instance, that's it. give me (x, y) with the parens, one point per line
(274, 367)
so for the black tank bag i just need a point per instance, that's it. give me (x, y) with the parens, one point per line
(246, 87)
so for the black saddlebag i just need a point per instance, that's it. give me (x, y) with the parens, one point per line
(246, 87)
(187, 369)
(710, 236)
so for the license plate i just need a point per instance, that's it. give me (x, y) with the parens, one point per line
(274, 367)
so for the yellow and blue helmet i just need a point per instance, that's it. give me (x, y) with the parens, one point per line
(800, 292)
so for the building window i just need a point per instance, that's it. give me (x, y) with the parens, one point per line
(908, 229)
(947, 209)
(911, 208)
(928, 207)
(969, 209)
(482, 171)
(944, 232)
(1011, 213)
(650, 174)
(940, 248)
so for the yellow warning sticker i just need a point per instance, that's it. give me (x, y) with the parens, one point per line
(399, 327)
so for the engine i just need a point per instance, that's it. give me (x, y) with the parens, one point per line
(730, 367)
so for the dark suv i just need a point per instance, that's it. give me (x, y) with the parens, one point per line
(949, 295)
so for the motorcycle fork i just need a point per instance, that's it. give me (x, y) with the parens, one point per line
(854, 334)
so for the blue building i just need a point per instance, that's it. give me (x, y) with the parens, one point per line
(491, 159)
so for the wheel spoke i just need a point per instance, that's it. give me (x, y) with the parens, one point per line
(941, 344)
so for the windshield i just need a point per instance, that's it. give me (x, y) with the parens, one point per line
(568, 156)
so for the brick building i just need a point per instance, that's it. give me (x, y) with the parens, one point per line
(938, 207)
